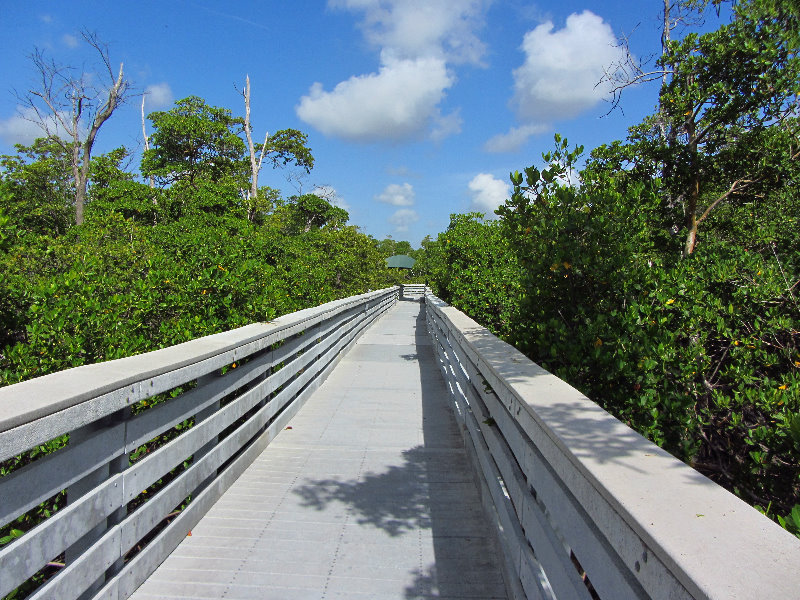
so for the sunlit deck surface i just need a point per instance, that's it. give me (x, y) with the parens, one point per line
(366, 495)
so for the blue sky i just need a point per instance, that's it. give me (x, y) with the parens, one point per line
(415, 109)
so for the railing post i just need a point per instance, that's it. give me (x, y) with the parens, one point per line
(115, 465)
(201, 416)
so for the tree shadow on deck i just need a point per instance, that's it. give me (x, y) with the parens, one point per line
(394, 501)
(429, 487)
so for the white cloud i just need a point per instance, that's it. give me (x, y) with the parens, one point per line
(399, 102)
(159, 95)
(402, 219)
(397, 194)
(488, 193)
(446, 125)
(18, 130)
(22, 128)
(70, 41)
(560, 76)
(423, 28)
(417, 39)
(515, 138)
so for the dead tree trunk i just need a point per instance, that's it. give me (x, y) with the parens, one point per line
(66, 106)
(255, 163)
(147, 143)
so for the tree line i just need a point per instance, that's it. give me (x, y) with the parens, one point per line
(100, 260)
(662, 278)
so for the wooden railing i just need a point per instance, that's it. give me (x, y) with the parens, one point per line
(585, 507)
(412, 291)
(153, 441)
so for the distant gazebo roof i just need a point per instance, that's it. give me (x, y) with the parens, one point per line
(400, 261)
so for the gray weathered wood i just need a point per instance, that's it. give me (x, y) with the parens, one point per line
(52, 537)
(639, 521)
(305, 344)
(148, 424)
(44, 408)
(82, 573)
(33, 484)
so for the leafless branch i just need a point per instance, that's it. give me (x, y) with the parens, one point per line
(70, 109)
(627, 72)
(263, 151)
(146, 141)
(735, 188)
(255, 161)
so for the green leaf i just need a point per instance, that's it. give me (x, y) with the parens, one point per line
(796, 516)
(794, 427)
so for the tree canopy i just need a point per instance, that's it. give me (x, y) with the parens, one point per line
(195, 141)
(153, 266)
(665, 285)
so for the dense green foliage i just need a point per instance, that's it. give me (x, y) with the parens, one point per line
(115, 288)
(155, 266)
(665, 285)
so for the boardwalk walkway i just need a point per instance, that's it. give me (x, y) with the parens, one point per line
(368, 494)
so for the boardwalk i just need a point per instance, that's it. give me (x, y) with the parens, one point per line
(367, 495)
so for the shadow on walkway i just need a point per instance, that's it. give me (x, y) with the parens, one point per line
(430, 494)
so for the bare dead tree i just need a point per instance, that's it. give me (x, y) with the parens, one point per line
(146, 140)
(297, 178)
(630, 70)
(256, 160)
(326, 192)
(71, 108)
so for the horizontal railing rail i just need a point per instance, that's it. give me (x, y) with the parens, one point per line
(153, 441)
(584, 506)
(413, 290)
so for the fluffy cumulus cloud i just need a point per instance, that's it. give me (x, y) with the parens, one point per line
(159, 95)
(418, 40)
(399, 102)
(403, 218)
(561, 75)
(423, 28)
(487, 193)
(397, 194)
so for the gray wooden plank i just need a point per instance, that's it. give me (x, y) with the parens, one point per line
(367, 453)
(41, 409)
(33, 484)
(25, 556)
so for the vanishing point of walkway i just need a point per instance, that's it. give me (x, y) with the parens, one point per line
(366, 495)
